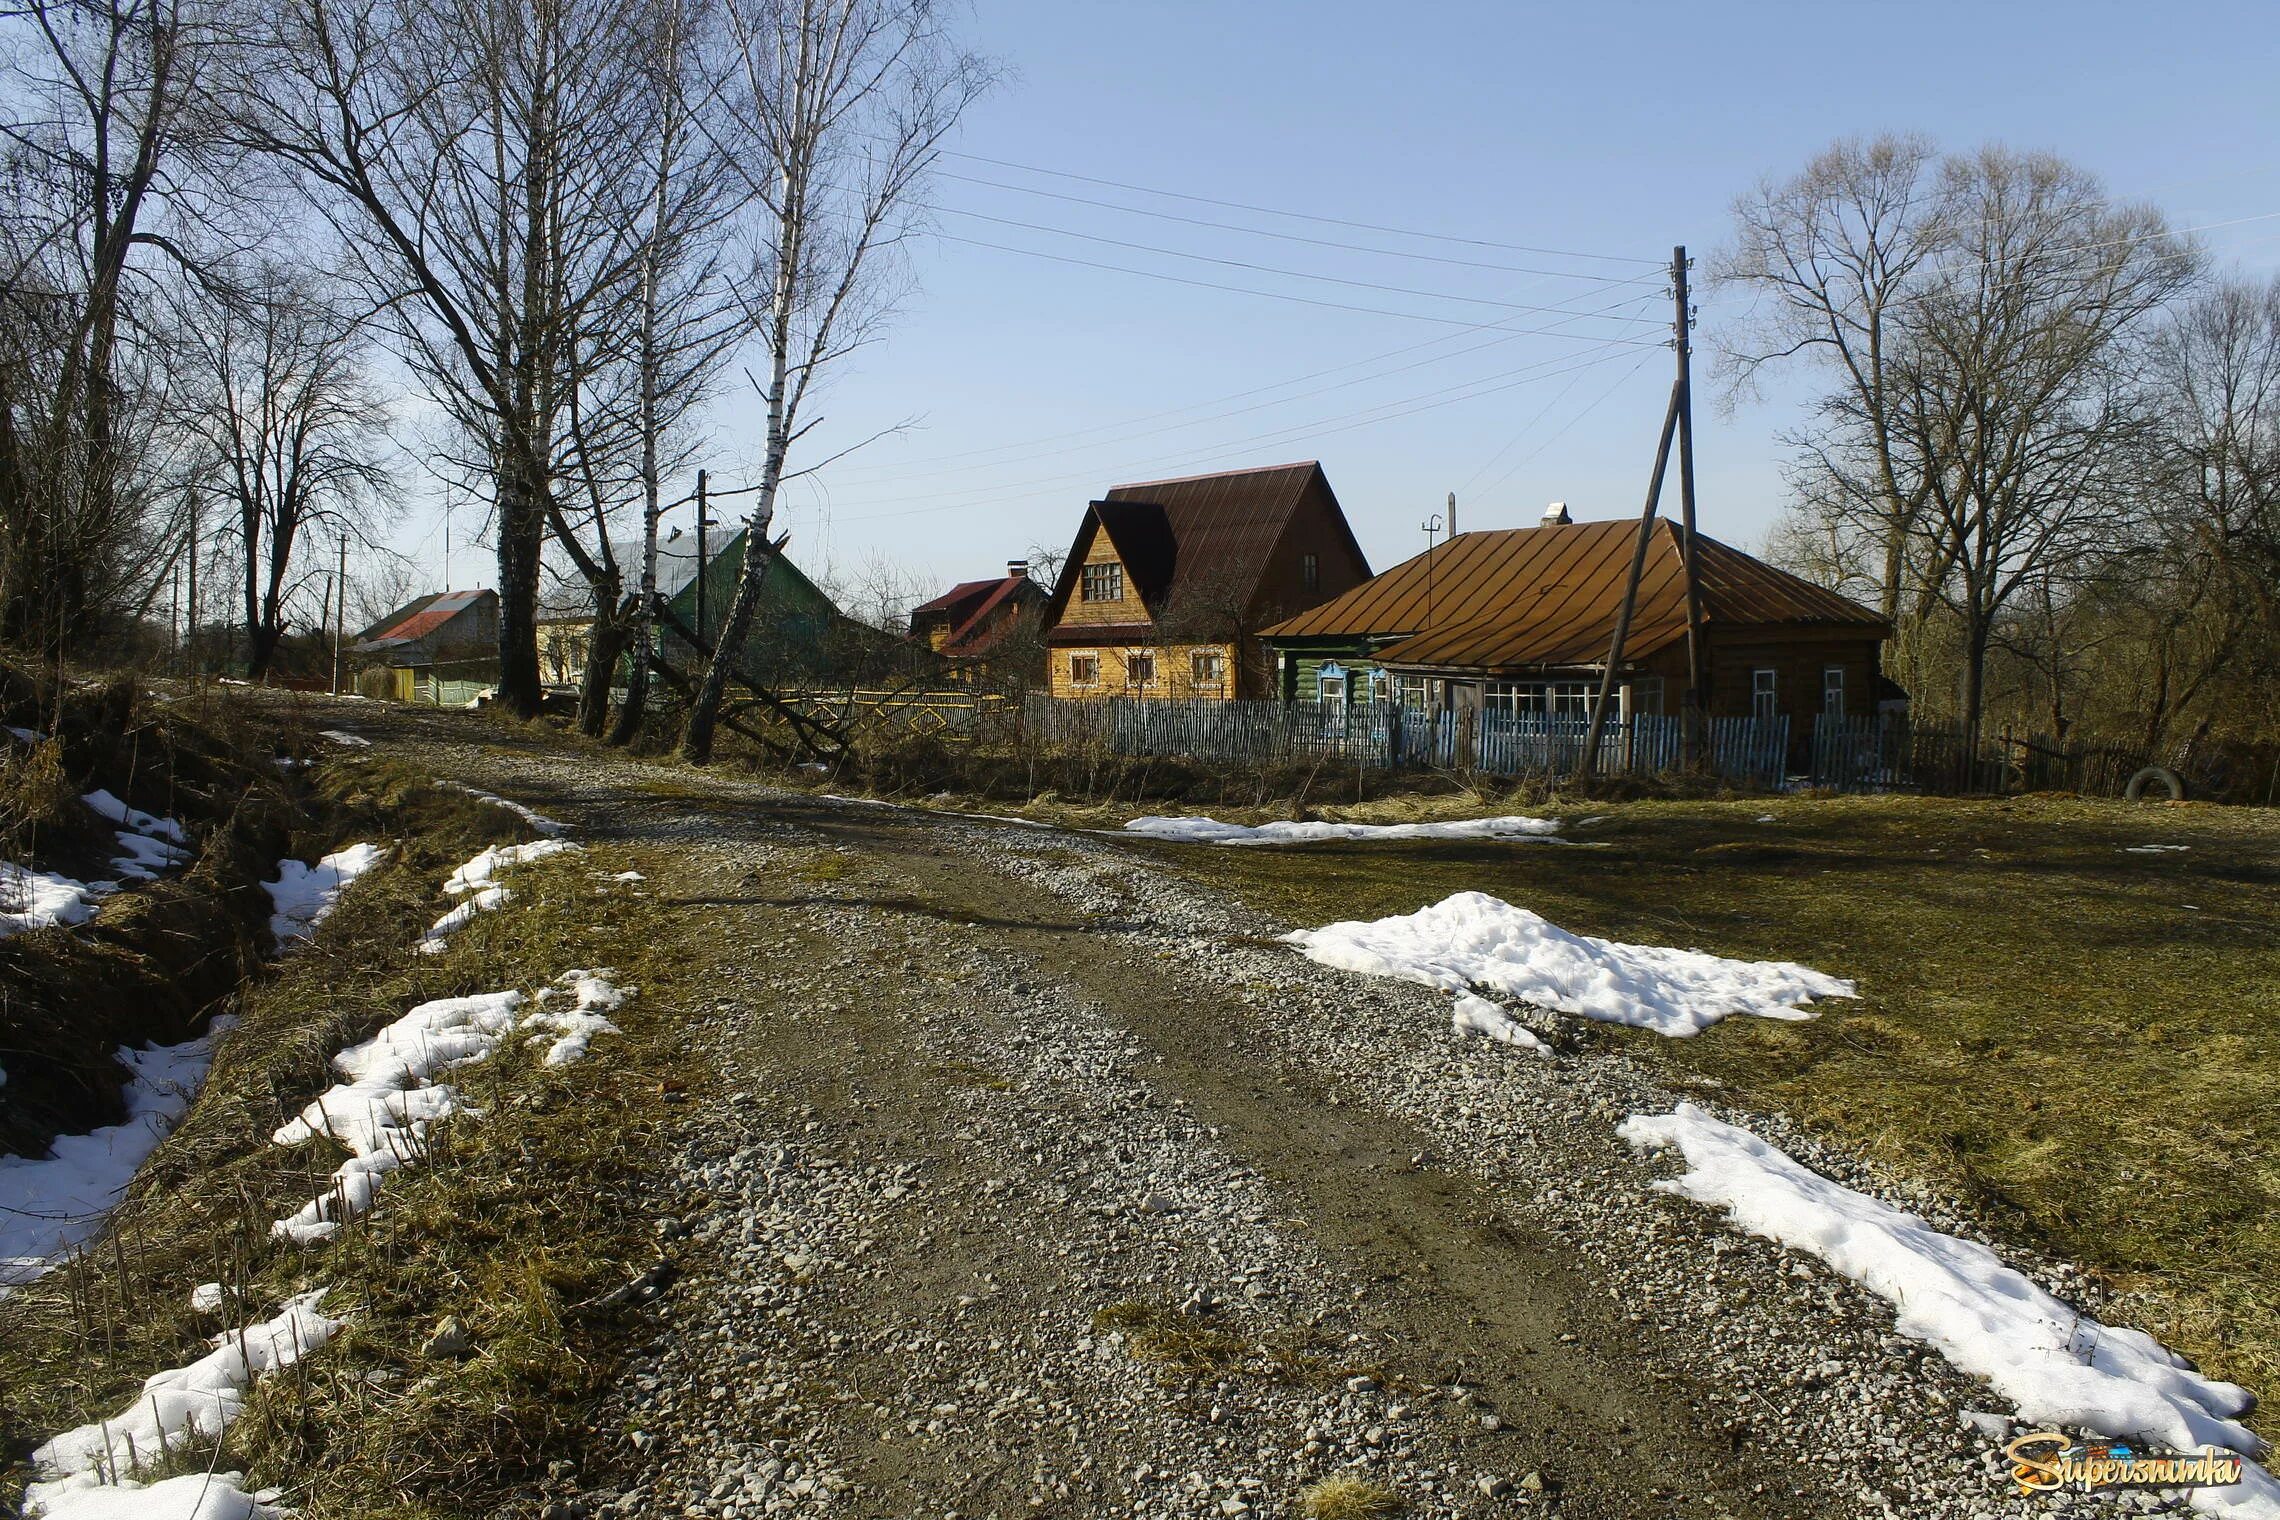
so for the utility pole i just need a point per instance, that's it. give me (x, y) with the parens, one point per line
(174, 620)
(340, 614)
(1697, 694)
(701, 566)
(447, 540)
(1678, 421)
(192, 631)
(1430, 527)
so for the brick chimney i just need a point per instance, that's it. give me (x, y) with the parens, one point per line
(1017, 569)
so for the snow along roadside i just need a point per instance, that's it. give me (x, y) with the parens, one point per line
(91, 1470)
(303, 896)
(51, 1204)
(477, 879)
(1212, 831)
(382, 1112)
(2059, 1366)
(1472, 940)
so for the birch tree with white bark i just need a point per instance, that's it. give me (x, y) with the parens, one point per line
(842, 109)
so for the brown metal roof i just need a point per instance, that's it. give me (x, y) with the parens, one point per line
(1170, 531)
(1548, 595)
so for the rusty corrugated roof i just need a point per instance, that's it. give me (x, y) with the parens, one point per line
(419, 618)
(1548, 595)
(1170, 532)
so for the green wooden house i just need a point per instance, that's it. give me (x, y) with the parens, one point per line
(799, 637)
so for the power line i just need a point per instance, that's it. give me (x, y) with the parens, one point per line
(1295, 237)
(1297, 274)
(1272, 295)
(983, 460)
(1331, 221)
(1562, 430)
(1261, 406)
(1383, 412)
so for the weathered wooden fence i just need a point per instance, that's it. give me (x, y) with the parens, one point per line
(1890, 753)
(1383, 734)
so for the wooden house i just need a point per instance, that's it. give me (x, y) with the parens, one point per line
(1168, 582)
(440, 648)
(1520, 620)
(973, 617)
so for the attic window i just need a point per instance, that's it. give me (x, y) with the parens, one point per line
(1104, 583)
(1310, 572)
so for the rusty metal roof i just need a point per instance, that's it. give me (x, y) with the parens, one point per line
(1169, 532)
(1548, 595)
(418, 619)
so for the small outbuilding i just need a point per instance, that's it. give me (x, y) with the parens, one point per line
(1520, 620)
(441, 648)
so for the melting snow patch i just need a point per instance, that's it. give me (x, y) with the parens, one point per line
(2153, 849)
(591, 995)
(1474, 940)
(382, 1113)
(178, 1408)
(1212, 831)
(1478, 1016)
(208, 1298)
(479, 877)
(483, 869)
(344, 737)
(32, 899)
(2059, 1366)
(539, 821)
(49, 1205)
(135, 818)
(304, 895)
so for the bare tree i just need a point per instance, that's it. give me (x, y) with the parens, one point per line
(472, 156)
(1835, 251)
(2018, 396)
(844, 106)
(295, 433)
(108, 174)
(1979, 315)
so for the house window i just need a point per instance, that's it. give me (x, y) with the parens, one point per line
(1139, 669)
(1765, 701)
(1207, 667)
(1833, 690)
(1310, 572)
(1104, 583)
(1412, 691)
(1647, 697)
(1559, 699)
(1330, 684)
(1084, 670)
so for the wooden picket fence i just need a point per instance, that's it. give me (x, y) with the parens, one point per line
(1385, 735)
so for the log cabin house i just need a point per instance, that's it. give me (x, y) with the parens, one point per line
(973, 617)
(1168, 582)
(1520, 621)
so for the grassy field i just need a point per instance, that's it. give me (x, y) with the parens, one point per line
(2082, 1039)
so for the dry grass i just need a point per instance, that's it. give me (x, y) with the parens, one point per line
(2075, 1038)
(373, 1427)
(1349, 1496)
(1186, 1346)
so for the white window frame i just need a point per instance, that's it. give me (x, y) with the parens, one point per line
(1833, 685)
(1110, 576)
(1765, 692)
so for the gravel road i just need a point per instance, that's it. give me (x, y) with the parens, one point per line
(1043, 1182)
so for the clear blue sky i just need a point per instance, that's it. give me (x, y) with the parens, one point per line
(1608, 130)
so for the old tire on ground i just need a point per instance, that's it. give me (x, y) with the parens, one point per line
(2156, 775)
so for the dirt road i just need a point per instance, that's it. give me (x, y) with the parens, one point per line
(1041, 1183)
